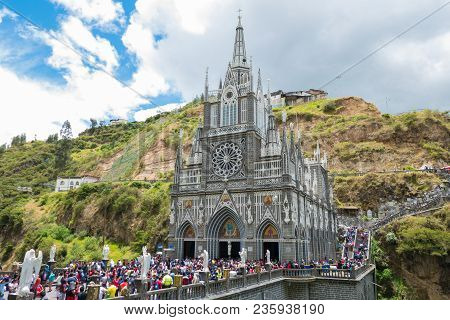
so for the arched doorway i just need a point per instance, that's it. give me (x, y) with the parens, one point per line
(189, 242)
(270, 239)
(186, 241)
(225, 234)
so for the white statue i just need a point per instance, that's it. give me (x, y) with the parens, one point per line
(52, 253)
(243, 255)
(145, 261)
(268, 256)
(249, 211)
(286, 210)
(229, 248)
(31, 265)
(201, 209)
(205, 257)
(105, 252)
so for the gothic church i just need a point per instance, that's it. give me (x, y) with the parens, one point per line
(244, 185)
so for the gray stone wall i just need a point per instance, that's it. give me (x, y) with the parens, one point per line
(362, 288)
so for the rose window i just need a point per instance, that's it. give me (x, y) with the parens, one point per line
(227, 159)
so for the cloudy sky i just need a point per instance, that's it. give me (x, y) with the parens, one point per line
(161, 48)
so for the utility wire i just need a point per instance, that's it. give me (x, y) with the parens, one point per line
(384, 45)
(83, 57)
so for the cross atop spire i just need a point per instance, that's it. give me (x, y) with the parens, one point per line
(239, 17)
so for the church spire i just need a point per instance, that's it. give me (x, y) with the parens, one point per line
(206, 86)
(284, 147)
(196, 151)
(239, 54)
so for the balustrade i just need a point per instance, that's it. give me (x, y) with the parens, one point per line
(211, 288)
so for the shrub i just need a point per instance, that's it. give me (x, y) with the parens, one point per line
(391, 238)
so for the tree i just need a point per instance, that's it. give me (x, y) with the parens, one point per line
(66, 131)
(93, 123)
(52, 138)
(63, 146)
(18, 140)
(2, 148)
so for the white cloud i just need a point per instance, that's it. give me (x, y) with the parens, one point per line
(298, 45)
(34, 107)
(73, 31)
(99, 12)
(6, 13)
(181, 21)
(142, 115)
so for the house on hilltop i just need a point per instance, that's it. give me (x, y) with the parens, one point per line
(281, 99)
(69, 183)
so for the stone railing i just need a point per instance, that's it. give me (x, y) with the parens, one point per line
(209, 289)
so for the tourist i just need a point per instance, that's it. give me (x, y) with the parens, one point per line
(82, 295)
(167, 280)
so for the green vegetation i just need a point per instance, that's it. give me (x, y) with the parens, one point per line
(352, 151)
(370, 190)
(128, 215)
(402, 250)
(307, 111)
(391, 286)
(427, 235)
(437, 150)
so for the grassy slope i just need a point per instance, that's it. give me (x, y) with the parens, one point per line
(370, 190)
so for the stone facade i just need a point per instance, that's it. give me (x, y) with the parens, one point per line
(245, 185)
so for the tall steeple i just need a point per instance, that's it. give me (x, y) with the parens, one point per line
(196, 150)
(239, 54)
(206, 95)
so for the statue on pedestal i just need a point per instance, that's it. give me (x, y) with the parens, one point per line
(243, 255)
(105, 252)
(205, 257)
(52, 253)
(31, 265)
(145, 260)
(268, 256)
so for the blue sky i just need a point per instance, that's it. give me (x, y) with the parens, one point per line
(162, 47)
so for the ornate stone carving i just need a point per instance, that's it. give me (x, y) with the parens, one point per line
(287, 219)
(249, 211)
(201, 210)
(172, 213)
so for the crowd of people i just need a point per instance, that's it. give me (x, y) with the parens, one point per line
(355, 245)
(119, 279)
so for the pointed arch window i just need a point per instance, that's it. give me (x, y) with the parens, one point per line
(229, 107)
(214, 116)
(244, 110)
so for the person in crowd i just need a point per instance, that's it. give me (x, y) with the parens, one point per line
(82, 295)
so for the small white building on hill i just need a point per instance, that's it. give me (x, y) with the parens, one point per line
(69, 183)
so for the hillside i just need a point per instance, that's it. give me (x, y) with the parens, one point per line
(130, 213)
(412, 257)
